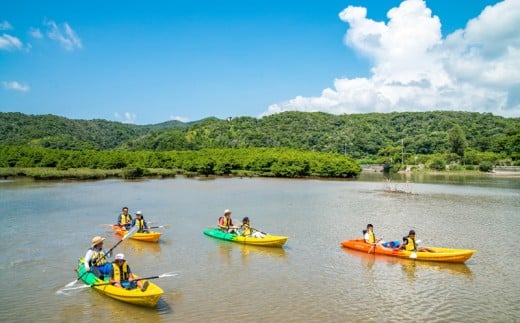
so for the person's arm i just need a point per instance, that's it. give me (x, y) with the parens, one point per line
(107, 255)
(88, 257)
(403, 245)
(130, 274)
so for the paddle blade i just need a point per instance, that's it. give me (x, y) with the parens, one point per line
(171, 274)
(67, 289)
(160, 227)
(130, 233)
(71, 283)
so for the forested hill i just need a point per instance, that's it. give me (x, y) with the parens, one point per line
(52, 131)
(359, 135)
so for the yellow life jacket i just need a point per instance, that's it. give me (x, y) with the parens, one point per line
(371, 237)
(98, 258)
(120, 274)
(125, 219)
(246, 230)
(140, 225)
(410, 245)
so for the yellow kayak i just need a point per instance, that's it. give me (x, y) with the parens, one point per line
(148, 298)
(149, 236)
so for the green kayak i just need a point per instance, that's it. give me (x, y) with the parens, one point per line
(267, 241)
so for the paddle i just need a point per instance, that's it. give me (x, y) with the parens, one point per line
(130, 233)
(262, 232)
(66, 289)
(170, 274)
(160, 227)
(157, 227)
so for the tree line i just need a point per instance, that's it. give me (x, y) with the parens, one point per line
(276, 162)
(434, 139)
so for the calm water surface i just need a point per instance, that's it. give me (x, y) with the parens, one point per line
(47, 226)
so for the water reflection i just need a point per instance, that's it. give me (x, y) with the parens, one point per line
(226, 248)
(247, 250)
(410, 267)
(224, 251)
(143, 247)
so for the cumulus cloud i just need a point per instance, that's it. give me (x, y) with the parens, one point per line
(63, 34)
(415, 69)
(15, 86)
(10, 43)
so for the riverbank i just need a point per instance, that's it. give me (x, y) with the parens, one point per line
(48, 173)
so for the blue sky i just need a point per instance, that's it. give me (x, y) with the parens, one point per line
(153, 61)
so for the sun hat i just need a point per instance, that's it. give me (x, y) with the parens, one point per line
(96, 240)
(120, 256)
(227, 211)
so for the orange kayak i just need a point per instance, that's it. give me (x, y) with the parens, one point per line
(149, 236)
(437, 254)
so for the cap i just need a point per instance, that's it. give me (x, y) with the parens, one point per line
(138, 213)
(227, 211)
(120, 256)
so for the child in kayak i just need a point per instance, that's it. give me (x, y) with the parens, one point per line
(122, 276)
(410, 244)
(247, 231)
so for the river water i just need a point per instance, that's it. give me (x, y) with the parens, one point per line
(48, 225)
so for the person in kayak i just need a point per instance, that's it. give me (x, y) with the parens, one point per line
(142, 226)
(247, 231)
(96, 258)
(410, 244)
(225, 223)
(370, 236)
(124, 220)
(122, 276)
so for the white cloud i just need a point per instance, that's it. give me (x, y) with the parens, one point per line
(127, 117)
(5, 25)
(64, 35)
(10, 43)
(181, 119)
(35, 33)
(415, 69)
(15, 86)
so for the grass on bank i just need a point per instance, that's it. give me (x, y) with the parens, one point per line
(83, 173)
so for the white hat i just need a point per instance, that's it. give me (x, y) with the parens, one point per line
(138, 213)
(226, 211)
(120, 256)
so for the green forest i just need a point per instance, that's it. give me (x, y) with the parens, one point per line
(289, 144)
